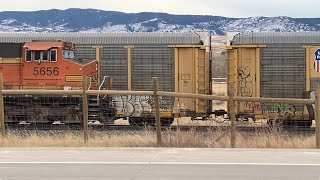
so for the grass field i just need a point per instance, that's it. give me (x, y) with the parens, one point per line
(191, 139)
(147, 138)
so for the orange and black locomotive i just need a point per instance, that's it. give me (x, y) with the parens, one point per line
(45, 65)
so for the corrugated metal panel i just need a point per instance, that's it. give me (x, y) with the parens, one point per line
(113, 63)
(283, 71)
(277, 38)
(106, 38)
(85, 52)
(148, 62)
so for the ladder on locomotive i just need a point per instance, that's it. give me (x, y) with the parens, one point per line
(94, 108)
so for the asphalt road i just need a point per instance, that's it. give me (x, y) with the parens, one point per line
(153, 163)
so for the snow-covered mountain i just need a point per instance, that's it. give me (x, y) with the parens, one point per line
(92, 20)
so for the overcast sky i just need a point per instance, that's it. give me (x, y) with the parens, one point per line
(229, 8)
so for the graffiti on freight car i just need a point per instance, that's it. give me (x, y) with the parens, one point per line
(245, 81)
(137, 106)
(253, 106)
(281, 109)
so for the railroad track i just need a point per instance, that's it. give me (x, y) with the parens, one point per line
(73, 127)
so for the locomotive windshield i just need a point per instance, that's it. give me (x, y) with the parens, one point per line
(68, 54)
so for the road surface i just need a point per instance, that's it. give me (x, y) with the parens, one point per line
(157, 163)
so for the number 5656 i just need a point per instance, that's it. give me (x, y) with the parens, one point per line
(46, 71)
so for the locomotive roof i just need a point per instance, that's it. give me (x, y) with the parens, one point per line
(276, 38)
(143, 38)
(37, 46)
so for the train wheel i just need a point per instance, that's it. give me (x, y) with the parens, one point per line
(136, 122)
(166, 121)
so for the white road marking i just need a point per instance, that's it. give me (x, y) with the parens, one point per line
(166, 163)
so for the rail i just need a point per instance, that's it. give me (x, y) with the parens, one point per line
(155, 93)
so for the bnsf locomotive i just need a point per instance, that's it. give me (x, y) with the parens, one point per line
(44, 65)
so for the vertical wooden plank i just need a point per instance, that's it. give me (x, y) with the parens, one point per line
(232, 116)
(317, 114)
(85, 110)
(2, 125)
(157, 111)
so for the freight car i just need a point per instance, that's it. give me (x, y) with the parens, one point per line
(275, 65)
(181, 61)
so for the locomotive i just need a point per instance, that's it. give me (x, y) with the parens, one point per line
(44, 65)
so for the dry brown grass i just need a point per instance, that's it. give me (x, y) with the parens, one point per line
(191, 139)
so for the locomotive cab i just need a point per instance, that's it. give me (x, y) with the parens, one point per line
(53, 64)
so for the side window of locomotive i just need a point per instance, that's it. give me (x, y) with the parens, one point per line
(53, 55)
(45, 55)
(37, 55)
(28, 56)
(68, 54)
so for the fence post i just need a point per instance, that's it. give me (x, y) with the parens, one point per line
(317, 114)
(85, 110)
(232, 116)
(157, 112)
(2, 125)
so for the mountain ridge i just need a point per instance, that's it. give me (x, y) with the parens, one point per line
(94, 20)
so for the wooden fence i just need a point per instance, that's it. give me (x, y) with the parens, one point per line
(155, 93)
